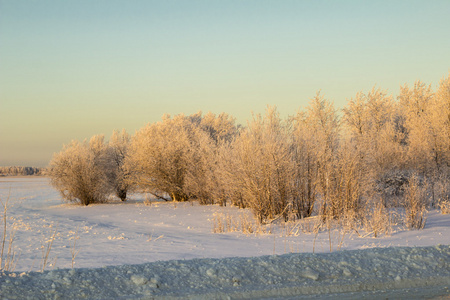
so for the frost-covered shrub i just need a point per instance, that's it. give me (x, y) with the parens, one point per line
(314, 150)
(262, 171)
(159, 155)
(441, 194)
(415, 203)
(313, 163)
(445, 207)
(206, 178)
(78, 171)
(176, 158)
(393, 183)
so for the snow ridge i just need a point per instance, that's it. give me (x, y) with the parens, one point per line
(277, 276)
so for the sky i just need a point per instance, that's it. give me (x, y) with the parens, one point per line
(72, 69)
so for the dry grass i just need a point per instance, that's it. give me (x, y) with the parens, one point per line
(415, 204)
(305, 225)
(74, 251)
(243, 223)
(151, 238)
(147, 200)
(46, 248)
(377, 221)
(8, 258)
(8, 255)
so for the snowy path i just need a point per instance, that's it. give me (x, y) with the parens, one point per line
(408, 273)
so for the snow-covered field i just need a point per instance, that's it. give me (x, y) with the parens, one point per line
(145, 250)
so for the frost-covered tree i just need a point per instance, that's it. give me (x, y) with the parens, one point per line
(117, 174)
(324, 126)
(374, 128)
(349, 181)
(158, 156)
(415, 104)
(437, 143)
(221, 128)
(262, 168)
(78, 171)
(205, 180)
(439, 130)
(306, 168)
(200, 180)
(369, 120)
(168, 158)
(179, 157)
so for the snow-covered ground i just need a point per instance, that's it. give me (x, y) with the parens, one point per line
(145, 250)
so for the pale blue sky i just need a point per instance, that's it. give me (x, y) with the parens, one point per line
(72, 69)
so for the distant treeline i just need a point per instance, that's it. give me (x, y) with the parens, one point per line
(21, 171)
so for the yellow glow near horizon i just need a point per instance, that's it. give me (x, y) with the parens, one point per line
(72, 69)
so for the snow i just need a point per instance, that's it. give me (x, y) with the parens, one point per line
(273, 276)
(142, 250)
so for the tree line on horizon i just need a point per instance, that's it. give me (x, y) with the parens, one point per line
(21, 171)
(375, 153)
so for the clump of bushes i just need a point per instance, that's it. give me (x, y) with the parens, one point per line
(317, 162)
(88, 172)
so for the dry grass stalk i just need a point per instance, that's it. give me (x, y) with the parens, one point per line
(219, 224)
(316, 230)
(46, 250)
(308, 225)
(147, 200)
(245, 224)
(292, 228)
(150, 238)
(74, 251)
(248, 226)
(346, 224)
(8, 260)
(415, 204)
(377, 221)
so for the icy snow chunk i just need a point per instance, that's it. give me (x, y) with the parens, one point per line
(236, 280)
(156, 279)
(211, 272)
(67, 280)
(347, 272)
(310, 274)
(138, 280)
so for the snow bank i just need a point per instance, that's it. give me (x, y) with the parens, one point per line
(388, 270)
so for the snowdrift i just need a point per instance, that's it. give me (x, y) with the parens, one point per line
(397, 272)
